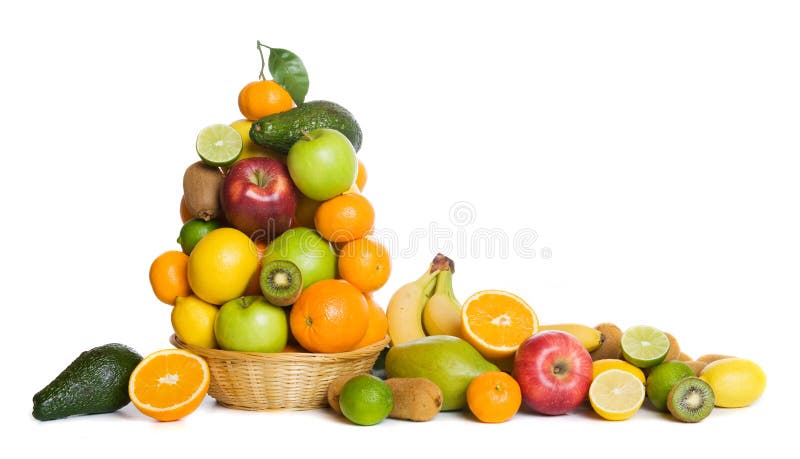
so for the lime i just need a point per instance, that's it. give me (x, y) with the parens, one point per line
(194, 230)
(219, 145)
(662, 379)
(644, 346)
(366, 400)
(616, 394)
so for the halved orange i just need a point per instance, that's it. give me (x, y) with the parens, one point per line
(169, 384)
(496, 322)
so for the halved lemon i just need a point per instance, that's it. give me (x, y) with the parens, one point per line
(616, 394)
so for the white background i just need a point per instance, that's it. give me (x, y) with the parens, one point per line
(650, 146)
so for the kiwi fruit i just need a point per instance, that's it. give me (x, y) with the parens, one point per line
(674, 351)
(697, 366)
(708, 358)
(281, 282)
(690, 400)
(611, 347)
(684, 357)
(201, 187)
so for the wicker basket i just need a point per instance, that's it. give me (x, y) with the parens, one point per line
(288, 381)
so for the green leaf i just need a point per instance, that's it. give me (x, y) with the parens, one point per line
(288, 71)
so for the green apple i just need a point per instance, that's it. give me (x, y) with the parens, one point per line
(322, 164)
(308, 250)
(250, 324)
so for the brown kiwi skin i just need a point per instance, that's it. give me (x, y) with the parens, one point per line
(674, 351)
(201, 188)
(708, 358)
(611, 347)
(684, 357)
(697, 366)
(675, 411)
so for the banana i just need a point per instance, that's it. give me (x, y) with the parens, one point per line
(588, 336)
(404, 311)
(442, 313)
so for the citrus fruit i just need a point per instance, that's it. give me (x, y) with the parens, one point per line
(193, 321)
(168, 276)
(736, 382)
(361, 177)
(365, 263)
(599, 366)
(194, 230)
(494, 397)
(185, 214)
(378, 325)
(262, 98)
(222, 265)
(330, 316)
(305, 211)
(644, 346)
(366, 400)
(219, 145)
(616, 394)
(497, 322)
(662, 378)
(344, 218)
(169, 384)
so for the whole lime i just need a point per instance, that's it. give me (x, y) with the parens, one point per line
(662, 379)
(366, 400)
(308, 250)
(194, 230)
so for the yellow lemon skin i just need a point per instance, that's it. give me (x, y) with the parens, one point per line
(193, 321)
(221, 265)
(599, 366)
(736, 382)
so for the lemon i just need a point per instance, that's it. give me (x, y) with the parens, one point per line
(221, 265)
(193, 321)
(599, 366)
(736, 382)
(616, 394)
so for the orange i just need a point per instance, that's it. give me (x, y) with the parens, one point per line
(494, 396)
(365, 263)
(305, 211)
(361, 178)
(168, 276)
(378, 325)
(263, 97)
(170, 384)
(497, 322)
(346, 217)
(185, 214)
(330, 316)
(254, 287)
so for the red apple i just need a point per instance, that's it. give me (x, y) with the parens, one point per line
(554, 372)
(259, 198)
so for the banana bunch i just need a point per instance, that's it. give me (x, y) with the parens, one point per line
(426, 306)
(590, 337)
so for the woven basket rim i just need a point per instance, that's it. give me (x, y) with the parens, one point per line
(221, 354)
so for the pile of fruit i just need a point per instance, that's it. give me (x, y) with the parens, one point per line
(276, 255)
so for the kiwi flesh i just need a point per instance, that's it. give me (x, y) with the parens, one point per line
(611, 347)
(201, 187)
(690, 400)
(281, 282)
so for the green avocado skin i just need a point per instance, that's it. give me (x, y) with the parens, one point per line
(280, 131)
(95, 382)
(448, 361)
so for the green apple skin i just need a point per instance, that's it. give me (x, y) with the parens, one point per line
(322, 164)
(308, 250)
(251, 324)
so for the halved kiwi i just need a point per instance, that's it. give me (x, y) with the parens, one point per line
(281, 282)
(690, 400)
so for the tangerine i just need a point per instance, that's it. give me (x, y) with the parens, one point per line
(344, 218)
(262, 98)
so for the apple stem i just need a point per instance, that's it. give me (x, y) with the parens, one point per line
(306, 136)
(260, 45)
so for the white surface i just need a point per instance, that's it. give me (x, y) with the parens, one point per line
(650, 147)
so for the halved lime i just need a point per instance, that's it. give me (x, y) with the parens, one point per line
(644, 346)
(616, 394)
(219, 145)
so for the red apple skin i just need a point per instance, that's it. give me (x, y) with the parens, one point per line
(554, 372)
(259, 198)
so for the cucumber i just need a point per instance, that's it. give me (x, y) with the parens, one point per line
(280, 131)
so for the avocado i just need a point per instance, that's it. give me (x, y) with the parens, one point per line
(95, 382)
(448, 361)
(280, 131)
